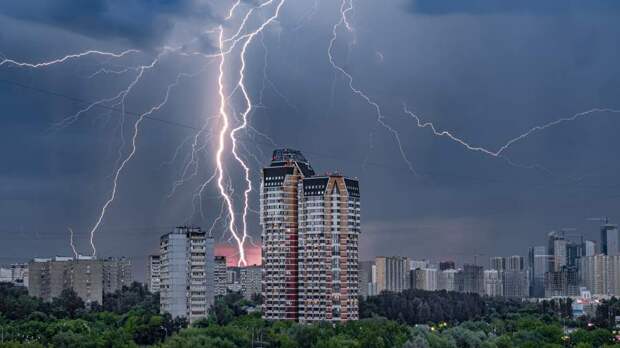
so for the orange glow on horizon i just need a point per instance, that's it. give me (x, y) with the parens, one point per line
(252, 254)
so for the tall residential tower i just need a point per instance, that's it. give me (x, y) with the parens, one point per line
(187, 273)
(311, 226)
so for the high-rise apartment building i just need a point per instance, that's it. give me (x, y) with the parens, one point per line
(493, 283)
(447, 280)
(117, 272)
(610, 239)
(152, 273)
(498, 263)
(516, 284)
(329, 228)
(311, 226)
(473, 279)
(594, 273)
(444, 265)
(279, 218)
(424, 279)
(538, 266)
(415, 264)
(366, 279)
(250, 278)
(589, 248)
(393, 273)
(558, 251)
(49, 277)
(515, 263)
(613, 280)
(221, 276)
(187, 273)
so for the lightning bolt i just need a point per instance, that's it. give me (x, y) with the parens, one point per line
(65, 58)
(509, 143)
(193, 162)
(71, 242)
(129, 157)
(222, 146)
(231, 12)
(346, 6)
(244, 123)
(230, 132)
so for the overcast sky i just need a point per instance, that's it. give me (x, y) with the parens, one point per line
(484, 70)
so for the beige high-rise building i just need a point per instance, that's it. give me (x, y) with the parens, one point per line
(329, 228)
(613, 278)
(393, 273)
(594, 273)
(279, 220)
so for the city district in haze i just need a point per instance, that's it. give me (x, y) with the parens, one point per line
(310, 269)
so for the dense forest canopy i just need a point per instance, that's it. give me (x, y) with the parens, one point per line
(411, 319)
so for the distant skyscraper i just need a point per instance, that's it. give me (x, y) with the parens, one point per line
(187, 273)
(311, 226)
(117, 272)
(444, 265)
(415, 264)
(424, 279)
(538, 266)
(515, 278)
(393, 273)
(493, 283)
(447, 280)
(473, 279)
(365, 276)
(564, 282)
(152, 273)
(613, 281)
(558, 250)
(221, 276)
(610, 239)
(498, 263)
(515, 263)
(594, 273)
(516, 284)
(589, 248)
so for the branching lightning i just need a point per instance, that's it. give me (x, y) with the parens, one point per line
(509, 143)
(66, 58)
(345, 7)
(71, 244)
(233, 47)
(129, 157)
(230, 132)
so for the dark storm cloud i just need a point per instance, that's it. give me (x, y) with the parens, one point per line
(140, 22)
(485, 76)
(481, 7)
